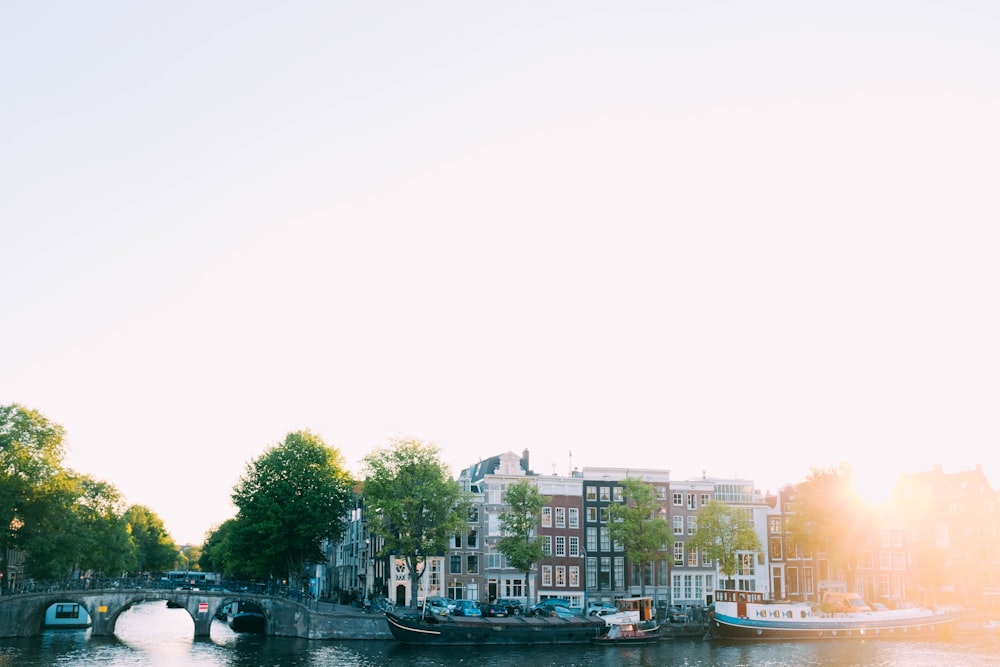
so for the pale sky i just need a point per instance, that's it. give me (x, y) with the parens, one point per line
(722, 238)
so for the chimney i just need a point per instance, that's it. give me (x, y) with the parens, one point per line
(524, 461)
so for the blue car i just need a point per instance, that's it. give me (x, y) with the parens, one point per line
(467, 608)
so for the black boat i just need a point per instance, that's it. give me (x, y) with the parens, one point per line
(246, 617)
(481, 631)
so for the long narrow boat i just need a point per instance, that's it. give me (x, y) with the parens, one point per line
(747, 615)
(482, 631)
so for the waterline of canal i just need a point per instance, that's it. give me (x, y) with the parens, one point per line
(151, 635)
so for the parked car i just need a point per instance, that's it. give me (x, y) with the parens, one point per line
(439, 606)
(552, 610)
(512, 605)
(600, 608)
(466, 608)
(493, 610)
(676, 615)
(551, 607)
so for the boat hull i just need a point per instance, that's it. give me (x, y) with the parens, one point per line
(929, 627)
(476, 631)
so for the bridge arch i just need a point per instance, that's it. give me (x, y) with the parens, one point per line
(22, 615)
(34, 614)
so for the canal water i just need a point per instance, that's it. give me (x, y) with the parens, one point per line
(151, 635)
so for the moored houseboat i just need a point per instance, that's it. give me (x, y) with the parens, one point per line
(480, 630)
(66, 616)
(747, 615)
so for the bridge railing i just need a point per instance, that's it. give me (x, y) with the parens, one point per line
(273, 589)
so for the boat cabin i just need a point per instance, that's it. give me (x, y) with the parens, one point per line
(643, 605)
(835, 601)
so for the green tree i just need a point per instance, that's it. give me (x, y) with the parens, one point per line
(722, 532)
(216, 553)
(289, 500)
(31, 454)
(412, 503)
(636, 526)
(189, 557)
(518, 523)
(155, 549)
(830, 518)
(104, 541)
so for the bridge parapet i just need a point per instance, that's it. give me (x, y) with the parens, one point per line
(22, 615)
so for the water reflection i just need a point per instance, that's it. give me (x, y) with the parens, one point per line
(150, 634)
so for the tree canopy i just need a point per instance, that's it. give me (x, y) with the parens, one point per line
(155, 549)
(519, 522)
(289, 500)
(722, 532)
(829, 517)
(63, 523)
(636, 525)
(411, 503)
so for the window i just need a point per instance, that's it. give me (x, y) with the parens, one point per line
(775, 548)
(704, 499)
(455, 590)
(604, 574)
(678, 500)
(691, 503)
(574, 517)
(591, 539)
(574, 576)
(591, 492)
(604, 515)
(605, 494)
(705, 558)
(678, 525)
(619, 571)
(513, 588)
(605, 540)
(678, 553)
(692, 525)
(591, 515)
(458, 540)
(547, 545)
(473, 564)
(561, 575)
(884, 560)
(692, 560)
(898, 560)
(591, 572)
(494, 560)
(661, 493)
(546, 517)
(574, 546)
(619, 494)
(774, 524)
(747, 562)
(456, 565)
(473, 539)
(546, 575)
(560, 517)
(560, 545)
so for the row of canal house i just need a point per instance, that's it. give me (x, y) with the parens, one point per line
(583, 564)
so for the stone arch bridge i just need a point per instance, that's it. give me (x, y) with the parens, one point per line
(22, 615)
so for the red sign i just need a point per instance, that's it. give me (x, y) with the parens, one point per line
(202, 607)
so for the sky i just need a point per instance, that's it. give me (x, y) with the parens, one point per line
(725, 239)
